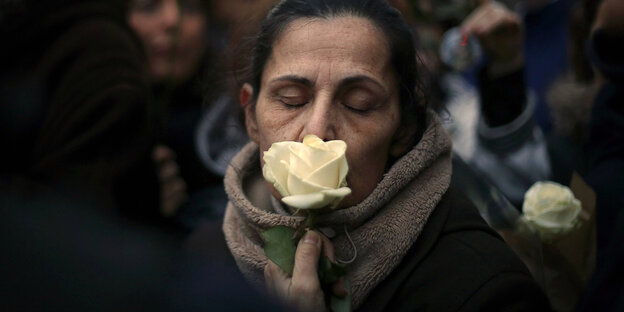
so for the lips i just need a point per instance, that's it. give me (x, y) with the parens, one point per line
(160, 50)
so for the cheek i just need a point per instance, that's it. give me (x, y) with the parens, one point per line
(193, 29)
(368, 153)
(277, 124)
(367, 163)
(143, 26)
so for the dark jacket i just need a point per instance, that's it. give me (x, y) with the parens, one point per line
(458, 264)
(434, 275)
(605, 174)
(75, 109)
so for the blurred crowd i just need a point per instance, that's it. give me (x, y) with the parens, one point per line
(119, 119)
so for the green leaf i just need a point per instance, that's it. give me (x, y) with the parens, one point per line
(341, 304)
(280, 248)
(328, 271)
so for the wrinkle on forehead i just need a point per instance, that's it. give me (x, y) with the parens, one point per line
(337, 41)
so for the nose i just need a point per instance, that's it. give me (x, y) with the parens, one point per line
(170, 14)
(320, 120)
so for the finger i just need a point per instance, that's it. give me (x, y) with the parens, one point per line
(489, 24)
(472, 22)
(170, 207)
(492, 20)
(328, 248)
(276, 280)
(168, 171)
(305, 277)
(162, 153)
(339, 288)
(509, 25)
(174, 189)
(173, 196)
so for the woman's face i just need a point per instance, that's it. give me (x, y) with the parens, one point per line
(332, 78)
(173, 34)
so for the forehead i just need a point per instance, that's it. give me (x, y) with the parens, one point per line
(351, 43)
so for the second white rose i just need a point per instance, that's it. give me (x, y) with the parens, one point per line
(309, 175)
(551, 208)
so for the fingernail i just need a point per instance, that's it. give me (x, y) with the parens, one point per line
(311, 238)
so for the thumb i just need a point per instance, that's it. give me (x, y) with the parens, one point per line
(306, 261)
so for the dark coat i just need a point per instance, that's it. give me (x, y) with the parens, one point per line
(75, 111)
(605, 174)
(458, 263)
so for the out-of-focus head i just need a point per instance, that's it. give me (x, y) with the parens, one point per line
(610, 17)
(342, 70)
(173, 33)
(234, 12)
(605, 48)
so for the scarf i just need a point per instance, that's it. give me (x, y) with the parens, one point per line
(382, 227)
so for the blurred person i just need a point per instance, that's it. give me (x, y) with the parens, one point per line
(605, 157)
(75, 116)
(492, 125)
(174, 35)
(545, 48)
(239, 21)
(509, 149)
(200, 131)
(77, 125)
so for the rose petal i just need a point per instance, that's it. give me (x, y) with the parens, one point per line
(307, 201)
(299, 165)
(338, 147)
(314, 157)
(314, 141)
(268, 175)
(330, 168)
(276, 166)
(317, 200)
(339, 192)
(558, 215)
(327, 175)
(308, 173)
(298, 186)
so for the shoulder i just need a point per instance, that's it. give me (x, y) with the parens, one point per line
(460, 264)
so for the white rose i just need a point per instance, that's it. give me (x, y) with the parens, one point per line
(551, 208)
(309, 175)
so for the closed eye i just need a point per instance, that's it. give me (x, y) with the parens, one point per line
(293, 101)
(359, 100)
(355, 109)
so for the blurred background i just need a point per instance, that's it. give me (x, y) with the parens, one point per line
(118, 120)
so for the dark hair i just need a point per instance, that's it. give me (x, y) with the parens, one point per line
(382, 15)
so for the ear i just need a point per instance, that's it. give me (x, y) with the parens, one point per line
(246, 100)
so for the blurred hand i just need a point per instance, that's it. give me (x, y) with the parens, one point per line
(501, 34)
(610, 17)
(303, 289)
(172, 187)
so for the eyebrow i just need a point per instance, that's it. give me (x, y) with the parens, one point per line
(347, 81)
(294, 78)
(350, 80)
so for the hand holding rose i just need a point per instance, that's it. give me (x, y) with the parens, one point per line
(309, 175)
(303, 290)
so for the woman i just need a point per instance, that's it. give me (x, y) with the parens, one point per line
(198, 140)
(346, 70)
